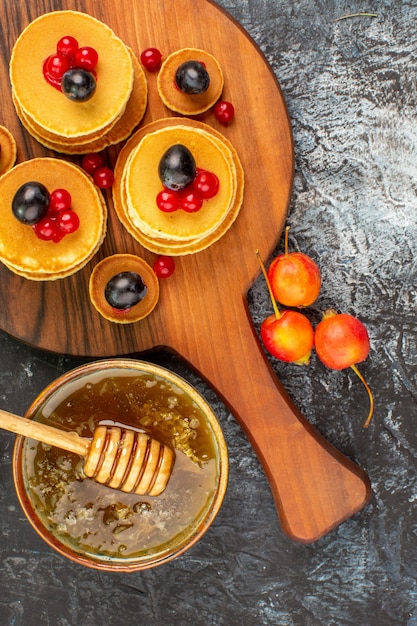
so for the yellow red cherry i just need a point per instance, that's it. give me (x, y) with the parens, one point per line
(295, 278)
(341, 341)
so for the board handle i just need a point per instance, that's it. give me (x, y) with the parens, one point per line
(315, 487)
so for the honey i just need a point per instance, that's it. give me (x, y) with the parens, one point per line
(91, 518)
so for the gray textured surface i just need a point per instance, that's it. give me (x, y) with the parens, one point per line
(350, 87)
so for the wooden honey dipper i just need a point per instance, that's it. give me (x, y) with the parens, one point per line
(117, 456)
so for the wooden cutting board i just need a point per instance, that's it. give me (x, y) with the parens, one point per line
(202, 315)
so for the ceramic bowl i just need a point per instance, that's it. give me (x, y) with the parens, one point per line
(105, 528)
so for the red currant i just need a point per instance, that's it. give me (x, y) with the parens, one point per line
(103, 177)
(86, 57)
(59, 200)
(224, 112)
(67, 221)
(206, 184)
(164, 266)
(92, 162)
(190, 201)
(56, 66)
(45, 229)
(151, 59)
(168, 200)
(67, 46)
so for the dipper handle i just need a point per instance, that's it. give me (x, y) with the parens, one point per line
(117, 456)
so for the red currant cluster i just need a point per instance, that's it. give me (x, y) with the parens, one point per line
(59, 220)
(224, 111)
(94, 164)
(190, 199)
(68, 56)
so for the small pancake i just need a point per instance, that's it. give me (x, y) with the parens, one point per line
(47, 106)
(188, 104)
(7, 150)
(143, 184)
(109, 267)
(122, 129)
(170, 247)
(27, 255)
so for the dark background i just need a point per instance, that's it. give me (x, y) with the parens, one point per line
(350, 86)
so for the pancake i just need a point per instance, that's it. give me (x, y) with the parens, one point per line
(188, 104)
(120, 131)
(7, 150)
(45, 105)
(142, 184)
(109, 267)
(166, 245)
(27, 255)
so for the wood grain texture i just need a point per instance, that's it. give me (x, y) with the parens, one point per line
(202, 314)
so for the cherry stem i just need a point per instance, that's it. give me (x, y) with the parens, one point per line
(371, 398)
(286, 240)
(268, 284)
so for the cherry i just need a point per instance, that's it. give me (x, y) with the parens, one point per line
(206, 184)
(67, 221)
(92, 162)
(164, 266)
(342, 341)
(295, 278)
(103, 177)
(46, 228)
(59, 200)
(168, 201)
(224, 112)
(86, 57)
(190, 201)
(55, 67)
(67, 46)
(151, 59)
(287, 335)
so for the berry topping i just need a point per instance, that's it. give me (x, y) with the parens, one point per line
(67, 46)
(224, 112)
(71, 69)
(91, 162)
(103, 177)
(67, 221)
(177, 167)
(164, 266)
(124, 290)
(30, 203)
(168, 200)
(192, 78)
(151, 59)
(78, 85)
(206, 184)
(190, 201)
(59, 200)
(86, 58)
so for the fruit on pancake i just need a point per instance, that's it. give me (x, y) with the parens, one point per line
(30, 202)
(295, 278)
(177, 167)
(124, 290)
(342, 341)
(192, 77)
(78, 84)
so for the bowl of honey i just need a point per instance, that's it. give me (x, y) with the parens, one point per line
(105, 528)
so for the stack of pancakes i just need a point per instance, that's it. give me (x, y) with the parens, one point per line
(137, 184)
(27, 255)
(60, 124)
